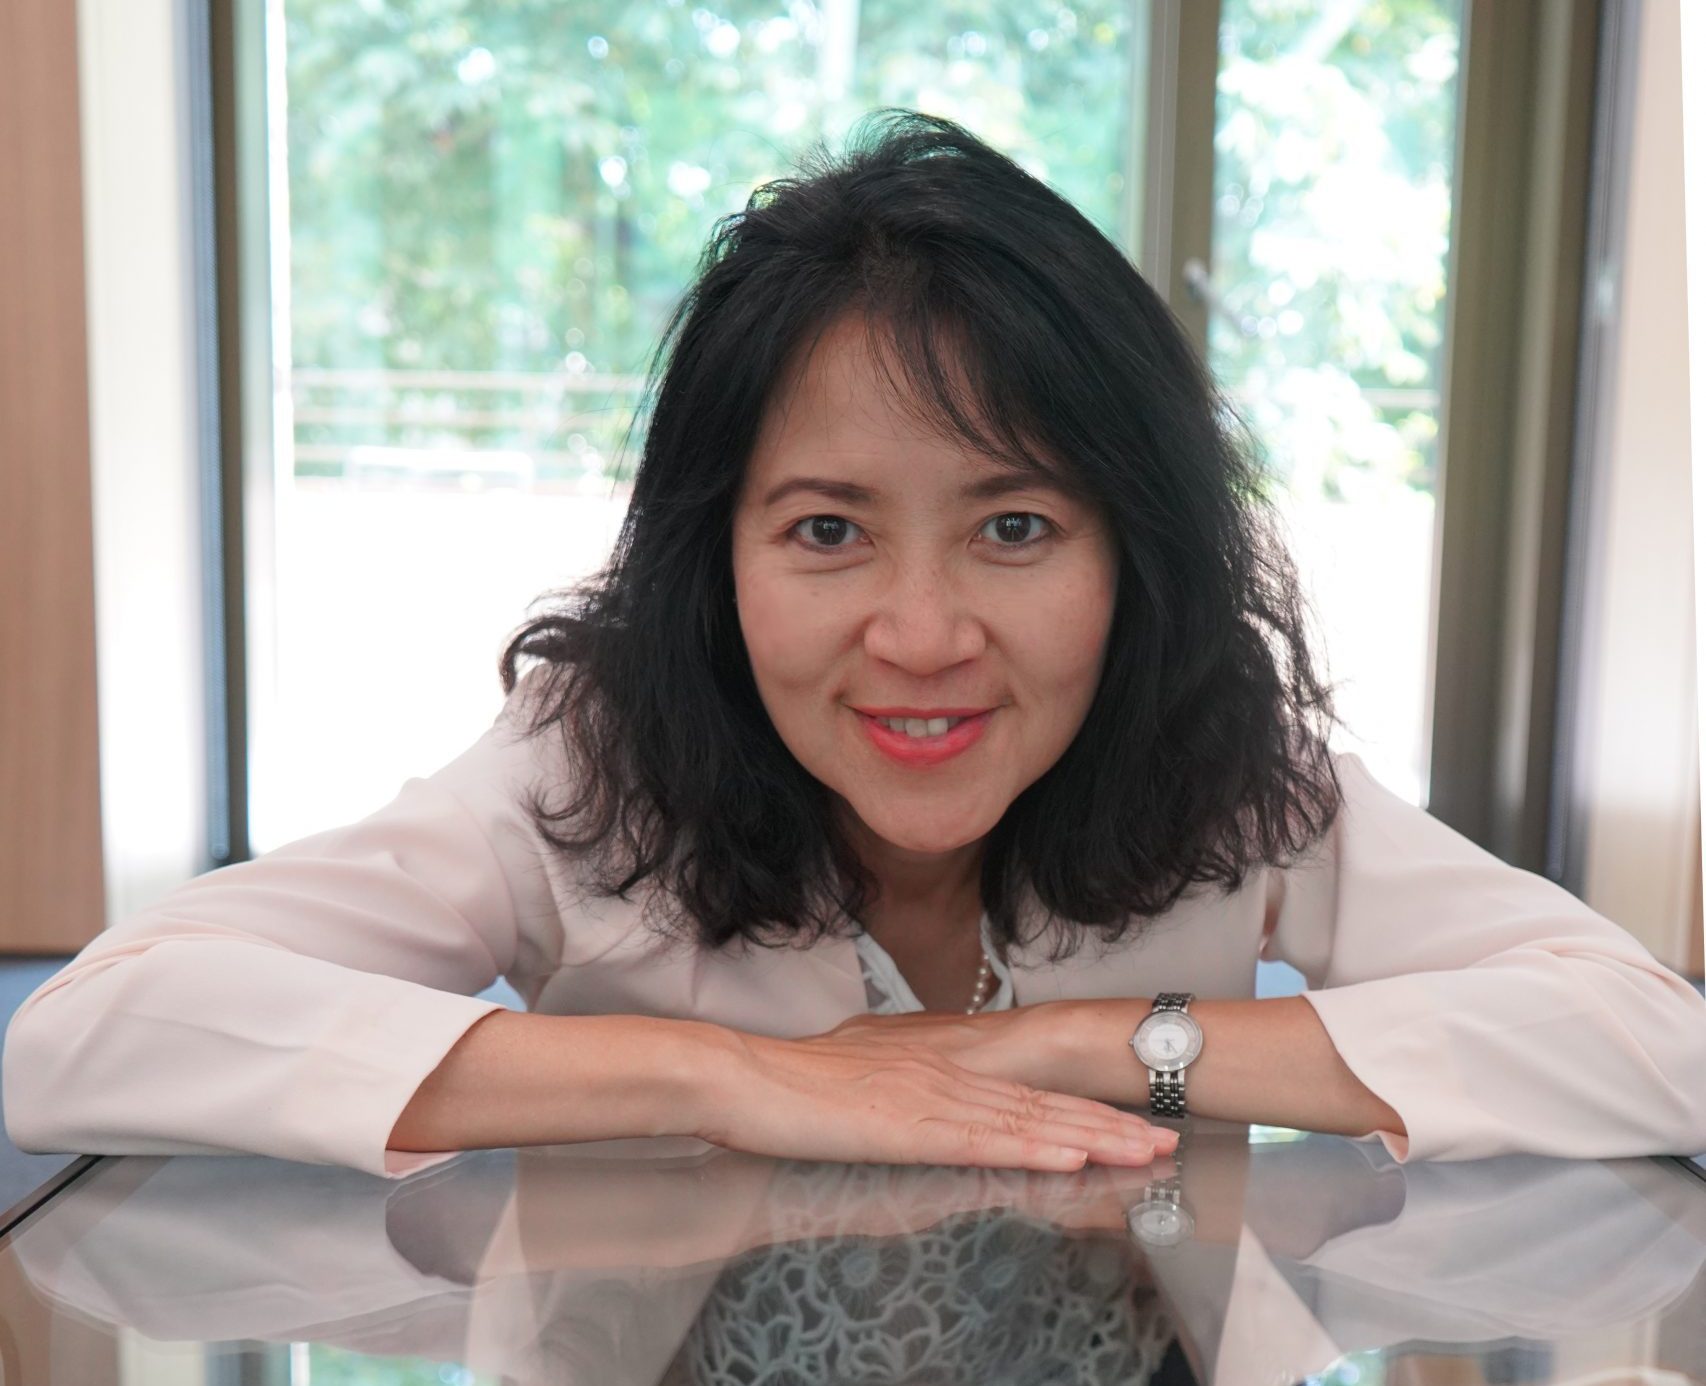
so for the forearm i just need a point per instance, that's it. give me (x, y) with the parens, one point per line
(1268, 1061)
(515, 1078)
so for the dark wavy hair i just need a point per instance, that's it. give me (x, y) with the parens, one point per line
(1204, 750)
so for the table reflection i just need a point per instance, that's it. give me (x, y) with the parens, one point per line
(632, 1263)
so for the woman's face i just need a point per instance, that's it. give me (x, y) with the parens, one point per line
(869, 575)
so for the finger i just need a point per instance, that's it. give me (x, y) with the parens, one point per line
(1067, 1106)
(962, 1141)
(1002, 1092)
(1109, 1135)
(1107, 1144)
(1062, 1101)
(1104, 1144)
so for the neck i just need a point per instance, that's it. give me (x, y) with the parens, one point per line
(924, 899)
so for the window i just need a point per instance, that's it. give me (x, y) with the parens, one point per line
(481, 217)
(1334, 149)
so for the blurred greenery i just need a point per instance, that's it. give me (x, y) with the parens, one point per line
(526, 185)
(517, 191)
(1335, 131)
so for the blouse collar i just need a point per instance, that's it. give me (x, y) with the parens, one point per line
(887, 991)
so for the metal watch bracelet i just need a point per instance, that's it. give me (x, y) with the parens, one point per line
(1167, 1090)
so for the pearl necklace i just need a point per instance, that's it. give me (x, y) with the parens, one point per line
(985, 975)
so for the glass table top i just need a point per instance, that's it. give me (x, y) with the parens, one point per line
(1254, 1257)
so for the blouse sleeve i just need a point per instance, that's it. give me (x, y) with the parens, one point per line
(291, 1005)
(1488, 1006)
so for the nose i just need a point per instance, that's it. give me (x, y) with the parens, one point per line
(923, 620)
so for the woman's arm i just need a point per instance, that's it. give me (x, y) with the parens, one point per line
(318, 1004)
(521, 1079)
(1268, 1061)
(1457, 1007)
(288, 1005)
(515, 1078)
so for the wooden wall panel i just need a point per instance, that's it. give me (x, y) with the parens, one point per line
(51, 891)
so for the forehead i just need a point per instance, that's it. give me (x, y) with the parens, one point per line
(845, 401)
(842, 384)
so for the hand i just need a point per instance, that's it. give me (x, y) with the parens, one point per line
(998, 1044)
(865, 1093)
(1043, 1044)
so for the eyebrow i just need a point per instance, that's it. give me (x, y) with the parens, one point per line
(985, 488)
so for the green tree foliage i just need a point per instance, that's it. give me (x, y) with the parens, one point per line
(494, 204)
(526, 185)
(1333, 164)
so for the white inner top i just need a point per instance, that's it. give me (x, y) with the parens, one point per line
(887, 992)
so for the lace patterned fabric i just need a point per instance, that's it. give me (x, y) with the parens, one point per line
(991, 1297)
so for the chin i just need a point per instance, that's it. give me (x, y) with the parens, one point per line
(925, 833)
(927, 844)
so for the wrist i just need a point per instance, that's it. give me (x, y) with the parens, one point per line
(1086, 1048)
(693, 1069)
(706, 1066)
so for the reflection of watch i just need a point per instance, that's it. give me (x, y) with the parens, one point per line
(1166, 1042)
(1160, 1219)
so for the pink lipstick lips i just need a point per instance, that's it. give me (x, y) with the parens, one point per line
(922, 751)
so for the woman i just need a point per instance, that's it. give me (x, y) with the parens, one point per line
(924, 774)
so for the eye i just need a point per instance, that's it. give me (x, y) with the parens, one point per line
(1010, 529)
(824, 531)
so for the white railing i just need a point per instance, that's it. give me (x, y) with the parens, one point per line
(468, 429)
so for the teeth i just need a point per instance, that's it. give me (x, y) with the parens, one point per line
(918, 726)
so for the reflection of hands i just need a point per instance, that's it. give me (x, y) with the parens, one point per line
(227, 1247)
(1211, 1163)
(1096, 1201)
(1295, 1196)
(898, 1199)
(576, 1211)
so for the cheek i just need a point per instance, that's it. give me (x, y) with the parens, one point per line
(1059, 638)
(787, 628)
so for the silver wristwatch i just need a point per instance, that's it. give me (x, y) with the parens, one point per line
(1166, 1043)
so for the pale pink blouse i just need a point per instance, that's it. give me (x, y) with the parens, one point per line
(291, 1005)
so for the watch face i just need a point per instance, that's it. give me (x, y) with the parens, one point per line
(1168, 1040)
